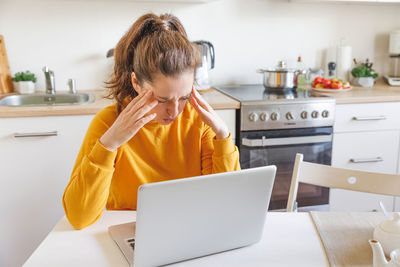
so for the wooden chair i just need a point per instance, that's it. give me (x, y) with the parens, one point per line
(327, 176)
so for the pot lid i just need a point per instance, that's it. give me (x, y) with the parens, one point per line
(281, 67)
(392, 226)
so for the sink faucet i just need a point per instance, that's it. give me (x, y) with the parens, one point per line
(50, 84)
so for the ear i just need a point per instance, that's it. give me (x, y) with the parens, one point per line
(135, 83)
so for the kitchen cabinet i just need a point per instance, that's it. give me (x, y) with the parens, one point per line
(367, 138)
(34, 174)
(229, 117)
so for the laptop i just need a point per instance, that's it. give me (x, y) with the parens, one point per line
(192, 217)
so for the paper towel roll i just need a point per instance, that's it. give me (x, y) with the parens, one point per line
(343, 62)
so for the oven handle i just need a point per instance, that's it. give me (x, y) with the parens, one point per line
(286, 140)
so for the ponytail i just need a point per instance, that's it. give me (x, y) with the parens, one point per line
(154, 44)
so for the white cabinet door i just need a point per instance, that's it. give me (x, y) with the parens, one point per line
(350, 151)
(229, 117)
(34, 174)
(397, 204)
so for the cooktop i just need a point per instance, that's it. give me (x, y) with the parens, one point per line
(257, 92)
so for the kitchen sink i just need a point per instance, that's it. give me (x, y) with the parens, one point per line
(46, 99)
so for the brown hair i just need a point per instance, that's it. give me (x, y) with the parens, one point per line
(154, 44)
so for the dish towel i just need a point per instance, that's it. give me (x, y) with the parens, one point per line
(345, 236)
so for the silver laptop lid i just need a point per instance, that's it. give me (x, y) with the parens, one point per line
(192, 217)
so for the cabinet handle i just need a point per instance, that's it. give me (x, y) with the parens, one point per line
(370, 118)
(53, 133)
(361, 160)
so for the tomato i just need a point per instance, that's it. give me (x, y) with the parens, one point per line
(337, 85)
(327, 83)
(318, 80)
(313, 85)
(320, 85)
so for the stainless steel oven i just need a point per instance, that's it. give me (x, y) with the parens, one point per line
(279, 147)
(273, 126)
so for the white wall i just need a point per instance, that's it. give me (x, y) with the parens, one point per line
(73, 36)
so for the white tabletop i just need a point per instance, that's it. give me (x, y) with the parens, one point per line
(289, 239)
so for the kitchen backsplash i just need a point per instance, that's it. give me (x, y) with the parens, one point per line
(72, 37)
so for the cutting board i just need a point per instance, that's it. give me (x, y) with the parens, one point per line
(6, 85)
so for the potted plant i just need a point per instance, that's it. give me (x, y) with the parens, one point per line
(363, 74)
(24, 82)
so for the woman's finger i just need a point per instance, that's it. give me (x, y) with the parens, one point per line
(201, 101)
(141, 102)
(135, 100)
(144, 120)
(145, 109)
(199, 108)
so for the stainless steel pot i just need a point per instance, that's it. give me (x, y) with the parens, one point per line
(279, 77)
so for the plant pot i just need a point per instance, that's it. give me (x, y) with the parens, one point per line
(364, 81)
(25, 87)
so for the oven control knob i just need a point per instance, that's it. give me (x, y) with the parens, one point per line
(304, 115)
(253, 116)
(314, 114)
(325, 114)
(264, 116)
(274, 116)
(289, 116)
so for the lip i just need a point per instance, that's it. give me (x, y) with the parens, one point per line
(168, 120)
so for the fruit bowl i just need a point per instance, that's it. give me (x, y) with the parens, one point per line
(327, 90)
(330, 85)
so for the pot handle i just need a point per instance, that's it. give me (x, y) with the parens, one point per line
(261, 70)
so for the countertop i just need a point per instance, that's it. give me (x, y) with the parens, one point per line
(289, 239)
(381, 92)
(216, 99)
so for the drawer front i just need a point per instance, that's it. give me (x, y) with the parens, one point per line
(367, 117)
(365, 151)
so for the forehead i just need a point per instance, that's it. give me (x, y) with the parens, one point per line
(172, 87)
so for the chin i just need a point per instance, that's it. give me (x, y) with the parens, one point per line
(165, 121)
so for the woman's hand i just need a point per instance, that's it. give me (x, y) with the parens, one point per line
(208, 115)
(129, 121)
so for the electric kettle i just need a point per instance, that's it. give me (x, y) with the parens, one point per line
(207, 54)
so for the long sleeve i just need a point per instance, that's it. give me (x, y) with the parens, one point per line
(88, 189)
(218, 155)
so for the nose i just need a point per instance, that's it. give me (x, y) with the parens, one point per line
(173, 109)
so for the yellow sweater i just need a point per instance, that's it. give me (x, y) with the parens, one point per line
(100, 177)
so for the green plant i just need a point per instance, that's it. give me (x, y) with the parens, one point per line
(24, 76)
(364, 70)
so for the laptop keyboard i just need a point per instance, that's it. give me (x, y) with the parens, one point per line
(131, 243)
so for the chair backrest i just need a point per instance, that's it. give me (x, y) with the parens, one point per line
(327, 176)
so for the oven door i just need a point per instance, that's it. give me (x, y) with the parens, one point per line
(279, 147)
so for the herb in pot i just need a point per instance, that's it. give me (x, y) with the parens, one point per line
(364, 70)
(363, 74)
(24, 76)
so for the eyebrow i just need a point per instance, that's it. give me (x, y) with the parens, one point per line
(166, 98)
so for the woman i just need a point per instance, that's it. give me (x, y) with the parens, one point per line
(152, 133)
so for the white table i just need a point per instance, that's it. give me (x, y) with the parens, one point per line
(289, 239)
